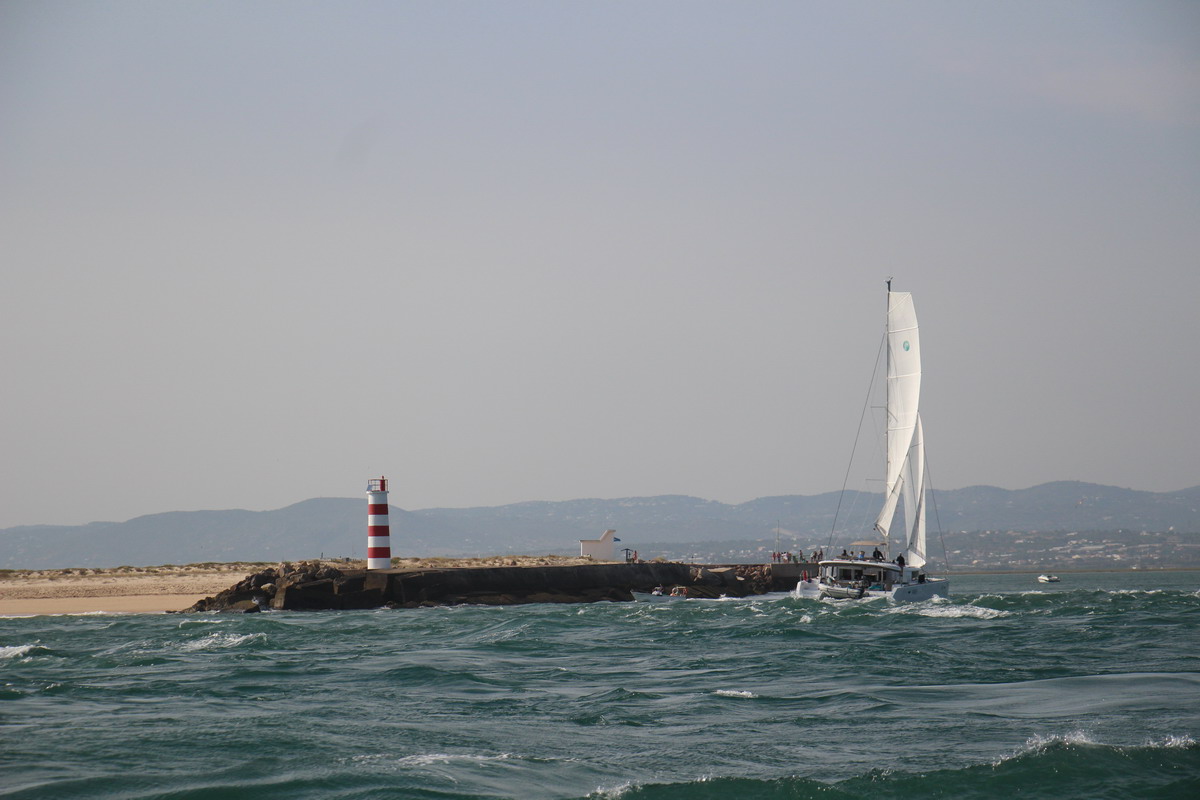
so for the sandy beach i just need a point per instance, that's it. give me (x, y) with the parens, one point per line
(173, 588)
(121, 589)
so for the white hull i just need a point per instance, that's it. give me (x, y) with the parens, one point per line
(905, 593)
(916, 592)
(852, 579)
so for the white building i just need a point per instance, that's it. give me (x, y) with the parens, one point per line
(602, 549)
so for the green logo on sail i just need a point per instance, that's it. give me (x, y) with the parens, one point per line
(906, 347)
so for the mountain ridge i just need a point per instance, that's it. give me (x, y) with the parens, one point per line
(335, 526)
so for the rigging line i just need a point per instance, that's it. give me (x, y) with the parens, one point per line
(858, 433)
(933, 499)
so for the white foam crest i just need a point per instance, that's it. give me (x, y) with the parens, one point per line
(70, 614)
(503, 634)
(426, 759)
(18, 650)
(1074, 737)
(1181, 741)
(220, 641)
(1040, 742)
(734, 693)
(613, 793)
(947, 611)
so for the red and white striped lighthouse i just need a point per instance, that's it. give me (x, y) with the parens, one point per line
(379, 537)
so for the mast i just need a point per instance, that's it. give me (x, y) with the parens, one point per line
(887, 406)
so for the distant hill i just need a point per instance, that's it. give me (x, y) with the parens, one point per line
(335, 526)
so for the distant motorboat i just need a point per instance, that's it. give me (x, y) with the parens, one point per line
(1048, 578)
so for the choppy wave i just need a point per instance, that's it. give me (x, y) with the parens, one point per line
(1057, 767)
(948, 610)
(221, 641)
(375, 760)
(21, 651)
(1081, 691)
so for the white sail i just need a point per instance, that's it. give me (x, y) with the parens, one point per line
(884, 520)
(903, 395)
(914, 500)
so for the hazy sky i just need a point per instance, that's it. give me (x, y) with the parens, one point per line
(255, 252)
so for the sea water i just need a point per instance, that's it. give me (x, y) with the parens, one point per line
(1011, 688)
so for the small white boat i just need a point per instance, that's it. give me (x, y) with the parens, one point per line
(660, 595)
(1048, 578)
(903, 579)
(809, 590)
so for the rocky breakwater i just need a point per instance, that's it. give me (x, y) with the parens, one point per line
(310, 586)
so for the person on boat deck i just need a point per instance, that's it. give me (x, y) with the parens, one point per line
(900, 561)
(844, 554)
(877, 556)
(862, 555)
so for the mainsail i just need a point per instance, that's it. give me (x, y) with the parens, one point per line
(905, 445)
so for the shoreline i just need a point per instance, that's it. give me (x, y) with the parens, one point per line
(111, 604)
(168, 588)
(171, 587)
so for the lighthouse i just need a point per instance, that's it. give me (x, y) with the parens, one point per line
(379, 538)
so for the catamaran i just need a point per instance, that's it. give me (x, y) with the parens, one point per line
(878, 575)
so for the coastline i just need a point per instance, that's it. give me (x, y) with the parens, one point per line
(158, 589)
(111, 604)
